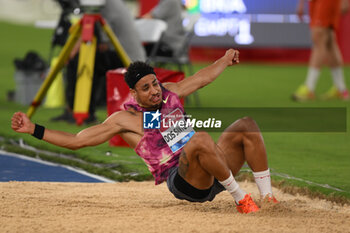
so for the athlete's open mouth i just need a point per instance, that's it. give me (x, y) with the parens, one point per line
(156, 98)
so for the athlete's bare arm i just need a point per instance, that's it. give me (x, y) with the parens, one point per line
(119, 122)
(204, 76)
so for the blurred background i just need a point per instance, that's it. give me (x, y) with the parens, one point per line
(268, 30)
(274, 50)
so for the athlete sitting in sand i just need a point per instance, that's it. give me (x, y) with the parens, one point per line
(201, 168)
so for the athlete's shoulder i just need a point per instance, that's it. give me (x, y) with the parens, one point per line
(124, 115)
(125, 120)
(172, 87)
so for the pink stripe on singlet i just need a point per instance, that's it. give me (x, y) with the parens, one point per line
(152, 148)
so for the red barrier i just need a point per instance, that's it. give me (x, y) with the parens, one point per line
(146, 6)
(273, 55)
(344, 37)
(118, 92)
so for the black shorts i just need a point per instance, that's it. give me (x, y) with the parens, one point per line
(184, 191)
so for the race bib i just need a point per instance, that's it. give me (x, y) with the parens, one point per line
(175, 130)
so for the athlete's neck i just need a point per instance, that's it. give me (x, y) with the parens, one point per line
(151, 108)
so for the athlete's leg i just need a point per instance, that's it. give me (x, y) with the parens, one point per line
(335, 58)
(319, 37)
(201, 161)
(242, 141)
(335, 62)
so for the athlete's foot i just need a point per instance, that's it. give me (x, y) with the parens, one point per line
(247, 205)
(333, 93)
(345, 95)
(303, 93)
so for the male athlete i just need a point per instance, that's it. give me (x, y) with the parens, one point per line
(201, 168)
(324, 21)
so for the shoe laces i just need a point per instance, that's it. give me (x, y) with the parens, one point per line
(247, 204)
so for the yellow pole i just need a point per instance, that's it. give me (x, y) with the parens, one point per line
(55, 94)
(85, 75)
(62, 58)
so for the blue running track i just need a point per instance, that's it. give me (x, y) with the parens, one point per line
(14, 167)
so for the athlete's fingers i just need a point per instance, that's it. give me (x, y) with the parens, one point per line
(22, 114)
(17, 115)
(14, 118)
(17, 121)
(15, 125)
(24, 118)
(236, 56)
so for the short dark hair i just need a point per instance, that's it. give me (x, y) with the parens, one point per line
(136, 71)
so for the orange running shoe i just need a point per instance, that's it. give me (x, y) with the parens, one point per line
(247, 205)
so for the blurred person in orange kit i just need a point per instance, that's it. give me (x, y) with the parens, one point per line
(324, 21)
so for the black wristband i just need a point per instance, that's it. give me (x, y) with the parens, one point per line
(39, 131)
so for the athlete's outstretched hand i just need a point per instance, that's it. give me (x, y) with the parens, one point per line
(21, 123)
(232, 56)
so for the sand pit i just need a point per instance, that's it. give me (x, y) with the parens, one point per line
(143, 207)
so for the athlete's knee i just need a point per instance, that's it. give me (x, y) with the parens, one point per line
(202, 141)
(332, 44)
(242, 125)
(249, 124)
(319, 37)
(201, 137)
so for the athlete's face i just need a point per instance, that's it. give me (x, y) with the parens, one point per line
(148, 92)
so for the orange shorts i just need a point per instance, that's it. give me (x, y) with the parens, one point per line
(324, 13)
